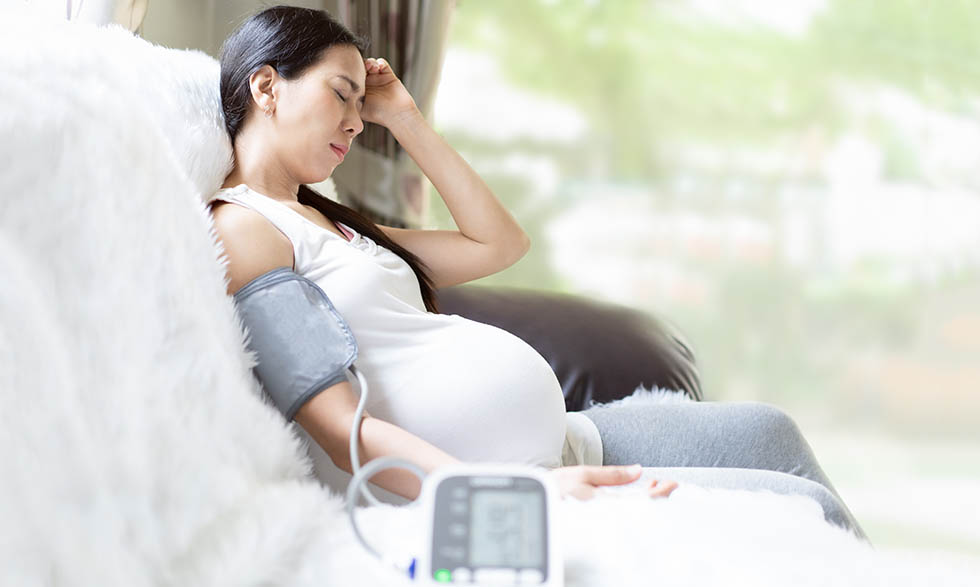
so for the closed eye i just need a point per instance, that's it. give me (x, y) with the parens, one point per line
(341, 96)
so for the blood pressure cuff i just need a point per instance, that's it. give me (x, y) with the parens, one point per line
(302, 344)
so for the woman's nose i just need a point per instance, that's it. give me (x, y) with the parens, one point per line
(354, 125)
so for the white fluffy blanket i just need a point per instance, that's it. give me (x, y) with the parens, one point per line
(135, 446)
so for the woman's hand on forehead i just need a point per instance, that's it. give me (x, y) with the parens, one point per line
(386, 99)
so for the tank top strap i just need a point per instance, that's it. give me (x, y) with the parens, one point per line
(281, 218)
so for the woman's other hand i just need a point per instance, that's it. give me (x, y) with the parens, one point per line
(582, 481)
(385, 98)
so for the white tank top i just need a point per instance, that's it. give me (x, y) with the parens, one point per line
(474, 390)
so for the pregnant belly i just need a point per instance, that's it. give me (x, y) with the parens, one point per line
(481, 394)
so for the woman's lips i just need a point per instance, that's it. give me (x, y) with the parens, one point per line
(338, 151)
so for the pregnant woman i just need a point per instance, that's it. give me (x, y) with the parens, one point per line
(295, 90)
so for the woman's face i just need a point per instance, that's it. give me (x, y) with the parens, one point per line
(318, 114)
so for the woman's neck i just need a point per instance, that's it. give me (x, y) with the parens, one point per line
(252, 169)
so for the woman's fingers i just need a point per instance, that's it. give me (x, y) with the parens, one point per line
(376, 65)
(585, 481)
(610, 475)
(662, 489)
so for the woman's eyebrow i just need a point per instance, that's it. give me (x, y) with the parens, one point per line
(353, 85)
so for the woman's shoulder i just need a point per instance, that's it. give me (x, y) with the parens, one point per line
(252, 245)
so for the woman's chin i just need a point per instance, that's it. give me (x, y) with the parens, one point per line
(327, 172)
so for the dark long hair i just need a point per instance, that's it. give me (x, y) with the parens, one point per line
(291, 39)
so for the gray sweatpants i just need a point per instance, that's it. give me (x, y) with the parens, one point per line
(730, 445)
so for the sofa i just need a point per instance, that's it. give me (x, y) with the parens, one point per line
(136, 446)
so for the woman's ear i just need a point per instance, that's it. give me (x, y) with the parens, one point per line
(263, 85)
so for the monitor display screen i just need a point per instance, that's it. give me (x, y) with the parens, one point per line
(507, 529)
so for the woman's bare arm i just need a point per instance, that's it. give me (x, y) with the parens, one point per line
(489, 239)
(328, 416)
(252, 245)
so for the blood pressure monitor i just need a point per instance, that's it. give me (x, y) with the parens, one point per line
(490, 525)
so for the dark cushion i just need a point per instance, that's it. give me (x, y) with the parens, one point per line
(599, 351)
